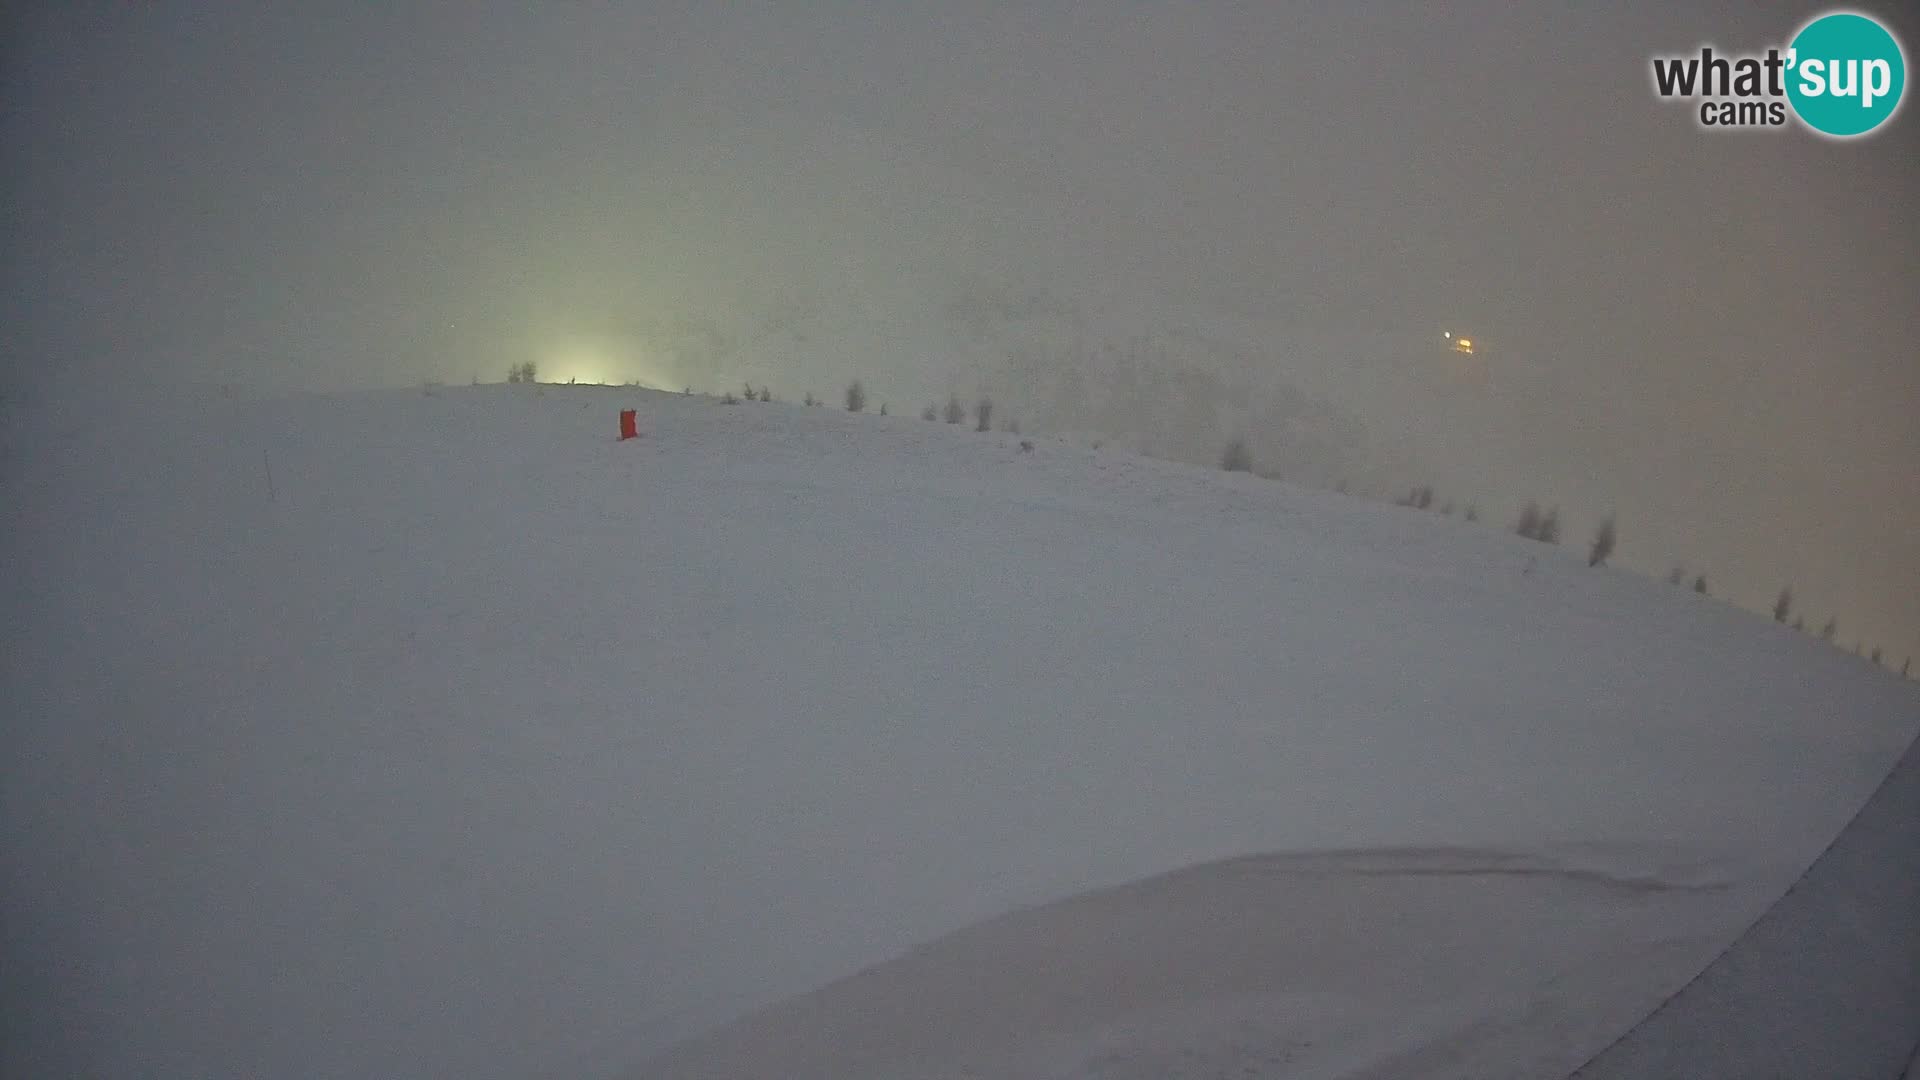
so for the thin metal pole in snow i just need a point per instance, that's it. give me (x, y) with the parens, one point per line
(268, 463)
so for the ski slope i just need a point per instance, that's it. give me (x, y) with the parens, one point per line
(438, 733)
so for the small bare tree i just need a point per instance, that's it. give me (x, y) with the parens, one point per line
(1700, 584)
(856, 397)
(1783, 605)
(1676, 575)
(1830, 631)
(956, 412)
(1529, 523)
(1236, 457)
(1549, 532)
(983, 414)
(930, 413)
(1603, 543)
(810, 399)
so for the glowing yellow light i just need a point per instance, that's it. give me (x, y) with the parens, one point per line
(595, 363)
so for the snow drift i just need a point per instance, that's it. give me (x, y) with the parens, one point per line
(477, 743)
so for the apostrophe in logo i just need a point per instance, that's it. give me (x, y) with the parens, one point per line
(1843, 75)
(1846, 74)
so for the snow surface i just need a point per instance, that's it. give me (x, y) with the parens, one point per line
(1379, 964)
(482, 744)
(1826, 983)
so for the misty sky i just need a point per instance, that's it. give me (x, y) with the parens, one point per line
(1712, 334)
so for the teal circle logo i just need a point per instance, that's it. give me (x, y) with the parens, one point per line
(1846, 74)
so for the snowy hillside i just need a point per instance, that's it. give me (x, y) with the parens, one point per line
(410, 734)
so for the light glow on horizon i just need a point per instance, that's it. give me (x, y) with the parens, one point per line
(583, 361)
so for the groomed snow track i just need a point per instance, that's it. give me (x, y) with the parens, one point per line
(1825, 984)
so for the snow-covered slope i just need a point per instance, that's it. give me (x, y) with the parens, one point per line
(441, 734)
